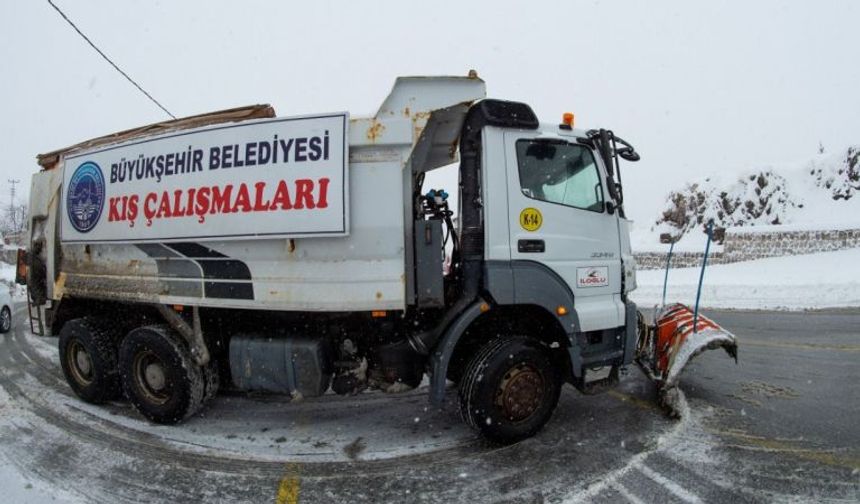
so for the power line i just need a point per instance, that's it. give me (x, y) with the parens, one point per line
(103, 55)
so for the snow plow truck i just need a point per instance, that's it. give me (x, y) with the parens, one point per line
(304, 255)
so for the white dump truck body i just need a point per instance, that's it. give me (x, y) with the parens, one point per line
(301, 254)
(294, 214)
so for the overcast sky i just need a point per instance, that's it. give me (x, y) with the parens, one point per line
(697, 87)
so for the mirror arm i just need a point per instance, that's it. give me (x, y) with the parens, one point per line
(605, 148)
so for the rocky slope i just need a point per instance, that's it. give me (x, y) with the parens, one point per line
(819, 192)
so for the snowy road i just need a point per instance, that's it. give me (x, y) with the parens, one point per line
(780, 424)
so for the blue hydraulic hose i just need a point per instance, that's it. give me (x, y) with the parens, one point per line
(666, 276)
(702, 275)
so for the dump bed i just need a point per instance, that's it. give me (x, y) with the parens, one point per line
(241, 209)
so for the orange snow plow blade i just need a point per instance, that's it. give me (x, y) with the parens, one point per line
(667, 346)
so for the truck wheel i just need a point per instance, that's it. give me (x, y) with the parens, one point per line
(159, 376)
(510, 389)
(88, 356)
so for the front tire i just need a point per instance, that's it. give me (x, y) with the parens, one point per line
(159, 376)
(88, 357)
(510, 389)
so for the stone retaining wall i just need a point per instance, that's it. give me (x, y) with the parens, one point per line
(747, 246)
(657, 260)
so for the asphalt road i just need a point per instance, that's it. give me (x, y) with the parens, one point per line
(781, 425)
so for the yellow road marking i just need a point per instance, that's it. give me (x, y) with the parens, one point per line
(799, 346)
(291, 483)
(288, 490)
(787, 448)
(641, 403)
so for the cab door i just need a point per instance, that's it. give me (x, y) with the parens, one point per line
(558, 217)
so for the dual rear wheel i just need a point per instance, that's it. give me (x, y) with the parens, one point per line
(150, 365)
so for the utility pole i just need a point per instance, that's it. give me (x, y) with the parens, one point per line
(12, 213)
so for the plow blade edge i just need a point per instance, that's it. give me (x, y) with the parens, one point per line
(671, 342)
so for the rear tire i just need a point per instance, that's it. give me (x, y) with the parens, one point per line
(88, 356)
(159, 376)
(510, 389)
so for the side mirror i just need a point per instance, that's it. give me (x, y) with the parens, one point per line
(627, 153)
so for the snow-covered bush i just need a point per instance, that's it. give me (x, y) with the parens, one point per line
(839, 175)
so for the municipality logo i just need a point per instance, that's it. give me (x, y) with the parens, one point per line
(85, 198)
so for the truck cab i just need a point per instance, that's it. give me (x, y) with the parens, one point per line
(544, 212)
(554, 208)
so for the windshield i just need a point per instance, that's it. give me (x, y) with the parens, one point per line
(560, 173)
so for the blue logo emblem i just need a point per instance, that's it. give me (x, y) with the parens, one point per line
(85, 197)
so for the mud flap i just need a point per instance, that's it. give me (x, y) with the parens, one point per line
(666, 347)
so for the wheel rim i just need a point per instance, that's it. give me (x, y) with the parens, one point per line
(5, 319)
(521, 392)
(150, 377)
(80, 363)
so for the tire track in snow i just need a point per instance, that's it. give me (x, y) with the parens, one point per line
(612, 478)
(621, 489)
(81, 422)
(672, 487)
(144, 445)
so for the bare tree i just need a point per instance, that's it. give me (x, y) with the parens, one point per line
(13, 219)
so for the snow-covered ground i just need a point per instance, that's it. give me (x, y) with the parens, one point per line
(823, 280)
(22, 489)
(7, 281)
(7, 273)
(18, 485)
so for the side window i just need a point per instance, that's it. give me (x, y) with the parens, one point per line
(560, 173)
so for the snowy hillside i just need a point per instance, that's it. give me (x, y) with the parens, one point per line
(821, 193)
